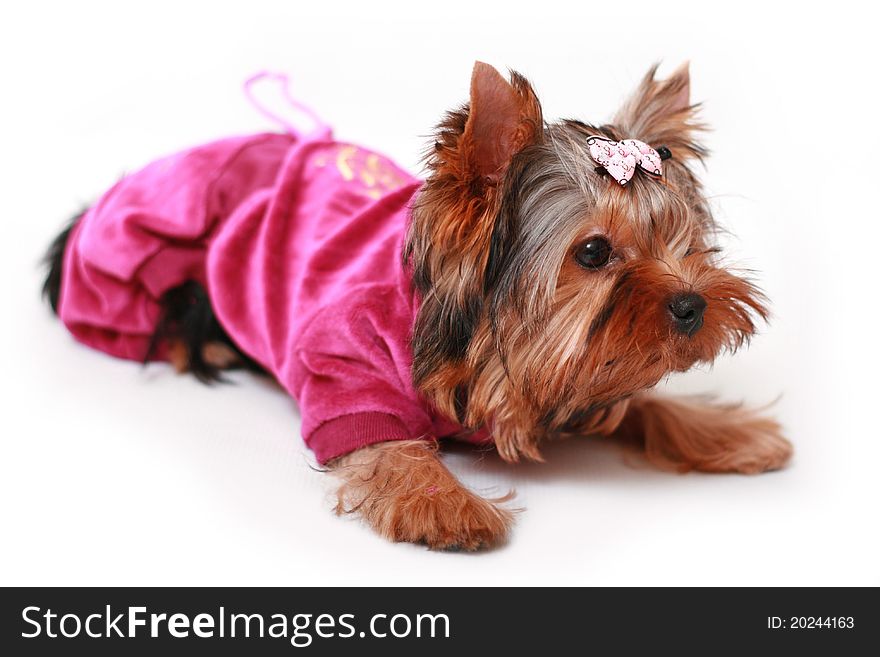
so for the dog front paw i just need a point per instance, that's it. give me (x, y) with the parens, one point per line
(406, 494)
(444, 519)
(693, 434)
(756, 445)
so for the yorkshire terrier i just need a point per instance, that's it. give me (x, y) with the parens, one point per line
(538, 284)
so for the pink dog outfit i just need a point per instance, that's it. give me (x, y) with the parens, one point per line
(298, 241)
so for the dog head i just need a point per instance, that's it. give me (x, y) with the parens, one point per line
(550, 292)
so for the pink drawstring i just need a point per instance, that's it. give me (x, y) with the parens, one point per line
(321, 129)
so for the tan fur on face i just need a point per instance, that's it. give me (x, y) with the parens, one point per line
(516, 335)
(403, 490)
(599, 336)
(550, 344)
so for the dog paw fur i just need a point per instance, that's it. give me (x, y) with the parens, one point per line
(403, 490)
(695, 434)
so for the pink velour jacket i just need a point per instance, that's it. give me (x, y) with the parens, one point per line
(298, 241)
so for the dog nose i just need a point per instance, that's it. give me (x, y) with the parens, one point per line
(687, 312)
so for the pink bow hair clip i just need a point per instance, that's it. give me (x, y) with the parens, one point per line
(620, 158)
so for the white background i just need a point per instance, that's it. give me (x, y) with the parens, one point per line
(116, 474)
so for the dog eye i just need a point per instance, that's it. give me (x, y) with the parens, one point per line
(594, 253)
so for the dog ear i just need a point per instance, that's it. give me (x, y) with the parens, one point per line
(660, 113)
(453, 218)
(451, 227)
(503, 118)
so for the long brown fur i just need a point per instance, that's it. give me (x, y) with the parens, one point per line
(527, 342)
(403, 490)
(516, 336)
(449, 237)
(694, 434)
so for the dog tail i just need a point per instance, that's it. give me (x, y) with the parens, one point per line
(53, 261)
